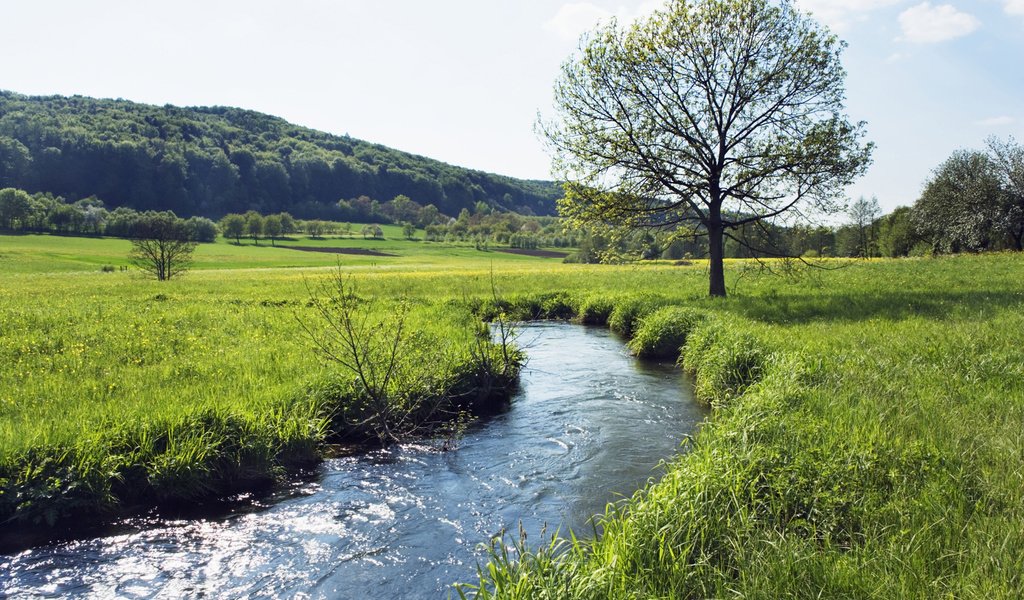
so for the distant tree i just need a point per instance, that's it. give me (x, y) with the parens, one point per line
(315, 228)
(15, 161)
(863, 214)
(429, 215)
(64, 218)
(403, 208)
(408, 230)
(14, 207)
(287, 223)
(233, 226)
(254, 225)
(710, 114)
(1008, 157)
(272, 227)
(962, 204)
(93, 218)
(161, 246)
(201, 229)
(346, 229)
(896, 235)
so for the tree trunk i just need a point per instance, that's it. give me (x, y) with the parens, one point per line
(716, 252)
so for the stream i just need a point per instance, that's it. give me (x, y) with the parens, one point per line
(589, 426)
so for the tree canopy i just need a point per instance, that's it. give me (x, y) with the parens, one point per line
(975, 200)
(710, 115)
(217, 160)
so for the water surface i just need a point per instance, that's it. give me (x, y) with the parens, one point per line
(590, 425)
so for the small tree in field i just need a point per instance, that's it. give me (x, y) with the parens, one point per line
(161, 246)
(709, 116)
(272, 227)
(863, 213)
(233, 226)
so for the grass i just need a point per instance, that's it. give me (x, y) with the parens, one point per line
(868, 443)
(868, 438)
(46, 253)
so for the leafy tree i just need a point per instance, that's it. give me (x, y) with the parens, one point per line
(863, 213)
(1008, 157)
(287, 223)
(896, 234)
(408, 230)
(15, 161)
(233, 226)
(14, 207)
(715, 113)
(201, 229)
(254, 225)
(429, 215)
(272, 227)
(315, 228)
(961, 206)
(161, 246)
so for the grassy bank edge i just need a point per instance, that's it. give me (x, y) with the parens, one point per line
(757, 507)
(53, 491)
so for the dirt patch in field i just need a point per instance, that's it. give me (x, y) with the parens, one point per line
(356, 251)
(537, 253)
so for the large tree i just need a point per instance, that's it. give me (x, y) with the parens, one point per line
(710, 114)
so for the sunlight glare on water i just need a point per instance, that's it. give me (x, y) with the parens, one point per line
(589, 426)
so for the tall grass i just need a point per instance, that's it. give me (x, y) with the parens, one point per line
(867, 442)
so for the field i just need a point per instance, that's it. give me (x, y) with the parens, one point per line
(868, 438)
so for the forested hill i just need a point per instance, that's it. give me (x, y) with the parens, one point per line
(216, 160)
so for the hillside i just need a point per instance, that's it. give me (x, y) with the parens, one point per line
(214, 160)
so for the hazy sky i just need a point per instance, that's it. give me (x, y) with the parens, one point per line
(462, 80)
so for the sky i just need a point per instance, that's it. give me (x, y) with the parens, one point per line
(463, 81)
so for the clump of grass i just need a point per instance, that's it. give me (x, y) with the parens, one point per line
(662, 333)
(629, 310)
(723, 362)
(594, 310)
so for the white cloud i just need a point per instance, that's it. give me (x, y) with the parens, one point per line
(925, 24)
(1001, 121)
(1014, 7)
(575, 18)
(839, 15)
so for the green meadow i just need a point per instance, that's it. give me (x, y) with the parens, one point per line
(867, 438)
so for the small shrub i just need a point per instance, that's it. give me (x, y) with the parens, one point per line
(107, 268)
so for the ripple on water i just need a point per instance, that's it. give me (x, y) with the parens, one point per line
(406, 521)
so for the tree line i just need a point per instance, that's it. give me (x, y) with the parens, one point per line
(213, 161)
(43, 212)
